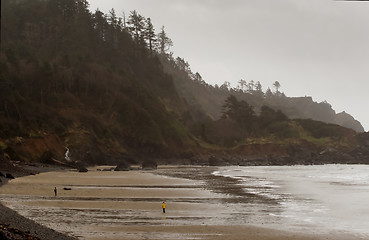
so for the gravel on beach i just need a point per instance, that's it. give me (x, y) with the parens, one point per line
(14, 226)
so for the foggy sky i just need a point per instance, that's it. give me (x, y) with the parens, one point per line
(317, 48)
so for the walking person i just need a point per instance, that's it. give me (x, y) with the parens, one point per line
(163, 205)
(55, 191)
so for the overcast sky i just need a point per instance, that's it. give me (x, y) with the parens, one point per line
(317, 48)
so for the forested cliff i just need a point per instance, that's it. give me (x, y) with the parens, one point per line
(108, 89)
(79, 75)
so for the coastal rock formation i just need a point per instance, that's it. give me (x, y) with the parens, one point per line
(82, 169)
(123, 166)
(149, 164)
(9, 175)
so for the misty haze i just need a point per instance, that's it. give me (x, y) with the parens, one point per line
(163, 119)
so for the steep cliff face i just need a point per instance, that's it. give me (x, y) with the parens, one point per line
(346, 120)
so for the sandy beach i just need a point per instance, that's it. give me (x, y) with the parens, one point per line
(127, 205)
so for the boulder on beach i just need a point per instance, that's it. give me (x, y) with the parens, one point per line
(123, 166)
(108, 169)
(149, 164)
(82, 169)
(9, 175)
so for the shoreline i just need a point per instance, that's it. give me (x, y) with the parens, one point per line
(257, 231)
(209, 232)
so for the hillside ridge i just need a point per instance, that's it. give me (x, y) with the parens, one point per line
(109, 93)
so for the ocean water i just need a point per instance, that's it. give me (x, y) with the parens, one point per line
(315, 198)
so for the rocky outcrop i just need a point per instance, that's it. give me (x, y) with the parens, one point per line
(270, 154)
(214, 161)
(123, 166)
(9, 175)
(149, 164)
(346, 120)
(82, 169)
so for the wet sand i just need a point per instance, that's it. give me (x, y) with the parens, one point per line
(127, 205)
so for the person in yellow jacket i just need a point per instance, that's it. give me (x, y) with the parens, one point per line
(163, 205)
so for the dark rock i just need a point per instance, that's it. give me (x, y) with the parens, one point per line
(123, 166)
(82, 169)
(213, 161)
(67, 189)
(149, 164)
(2, 174)
(9, 175)
(108, 169)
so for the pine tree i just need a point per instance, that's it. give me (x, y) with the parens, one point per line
(241, 112)
(150, 35)
(164, 42)
(136, 26)
(277, 85)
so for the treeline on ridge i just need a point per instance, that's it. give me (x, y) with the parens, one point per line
(107, 87)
